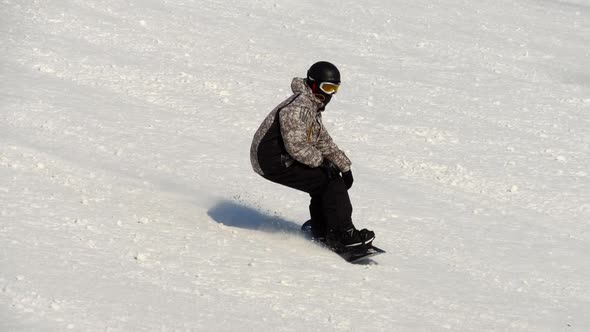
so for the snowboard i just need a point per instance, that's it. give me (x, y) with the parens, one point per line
(354, 255)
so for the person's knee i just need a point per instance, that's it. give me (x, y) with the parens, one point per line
(336, 184)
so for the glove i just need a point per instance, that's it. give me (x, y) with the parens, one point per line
(348, 180)
(331, 170)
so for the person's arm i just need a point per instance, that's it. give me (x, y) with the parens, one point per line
(330, 151)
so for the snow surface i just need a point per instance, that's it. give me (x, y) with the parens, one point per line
(127, 200)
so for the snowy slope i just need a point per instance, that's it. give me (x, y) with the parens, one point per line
(127, 200)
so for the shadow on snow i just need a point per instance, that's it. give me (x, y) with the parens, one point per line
(233, 214)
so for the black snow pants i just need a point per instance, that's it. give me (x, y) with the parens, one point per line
(330, 206)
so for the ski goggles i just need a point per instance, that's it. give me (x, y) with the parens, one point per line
(329, 88)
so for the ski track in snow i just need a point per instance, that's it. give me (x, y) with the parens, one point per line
(128, 201)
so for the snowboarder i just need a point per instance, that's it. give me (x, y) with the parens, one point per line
(293, 148)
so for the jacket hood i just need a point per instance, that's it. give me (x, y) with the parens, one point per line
(298, 85)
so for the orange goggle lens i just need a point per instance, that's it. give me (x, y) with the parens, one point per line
(329, 88)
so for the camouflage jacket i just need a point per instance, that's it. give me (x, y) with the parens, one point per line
(294, 131)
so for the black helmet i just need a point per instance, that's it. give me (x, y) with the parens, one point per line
(322, 72)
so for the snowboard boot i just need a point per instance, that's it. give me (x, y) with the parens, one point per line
(321, 239)
(318, 231)
(350, 239)
(318, 235)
